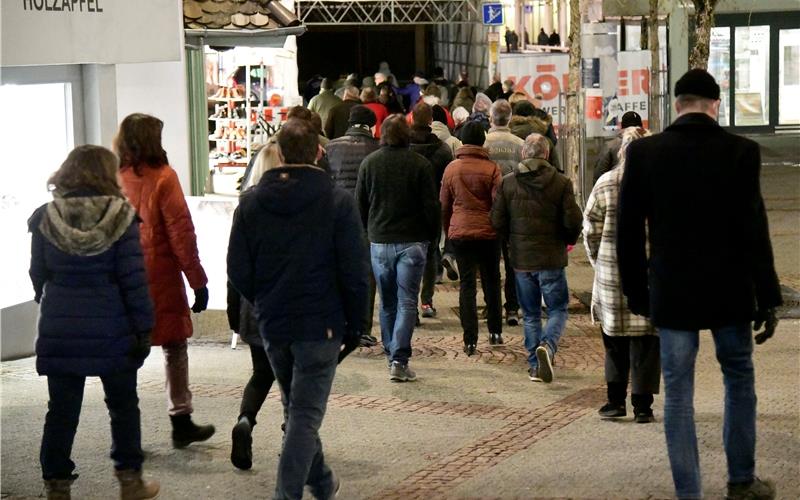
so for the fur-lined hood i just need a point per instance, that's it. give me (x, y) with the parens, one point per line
(84, 225)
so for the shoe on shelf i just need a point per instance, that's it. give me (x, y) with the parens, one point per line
(643, 416)
(533, 375)
(449, 264)
(400, 372)
(545, 359)
(186, 432)
(759, 489)
(612, 410)
(512, 318)
(242, 440)
(469, 349)
(428, 311)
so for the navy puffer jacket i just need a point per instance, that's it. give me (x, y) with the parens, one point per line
(88, 274)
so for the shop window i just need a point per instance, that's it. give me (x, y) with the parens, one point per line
(751, 98)
(719, 65)
(789, 77)
(36, 134)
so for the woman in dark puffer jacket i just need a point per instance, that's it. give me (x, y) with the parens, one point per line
(95, 314)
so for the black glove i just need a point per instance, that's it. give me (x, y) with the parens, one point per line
(767, 319)
(141, 346)
(200, 300)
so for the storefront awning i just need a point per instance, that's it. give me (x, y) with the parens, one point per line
(273, 37)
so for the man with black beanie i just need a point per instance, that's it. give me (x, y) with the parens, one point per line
(693, 192)
(608, 158)
(345, 155)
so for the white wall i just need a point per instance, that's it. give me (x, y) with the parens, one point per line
(160, 89)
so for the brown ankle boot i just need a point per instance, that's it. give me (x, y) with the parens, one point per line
(58, 489)
(133, 487)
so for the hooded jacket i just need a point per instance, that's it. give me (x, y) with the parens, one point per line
(169, 245)
(542, 124)
(425, 143)
(345, 155)
(441, 131)
(536, 212)
(468, 189)
(297, 253)
(88, 276)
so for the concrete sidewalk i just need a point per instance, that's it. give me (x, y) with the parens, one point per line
(468, 428)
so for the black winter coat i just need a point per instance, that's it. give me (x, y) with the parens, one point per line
(696, 187)
(397, 198)
(536, 212)
(345, 155)
(439, 154)
(88, 275)
(297, 253)
(339, 119)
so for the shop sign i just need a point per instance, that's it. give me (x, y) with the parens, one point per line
(633, 88)
(44, 32)
(546, 74)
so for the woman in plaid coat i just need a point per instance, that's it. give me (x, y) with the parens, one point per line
(631, 343)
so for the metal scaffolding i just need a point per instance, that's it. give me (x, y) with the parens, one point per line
(397, 12)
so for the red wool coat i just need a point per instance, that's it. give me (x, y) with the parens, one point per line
(170, 247)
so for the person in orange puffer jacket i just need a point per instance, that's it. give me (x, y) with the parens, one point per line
(170, 248)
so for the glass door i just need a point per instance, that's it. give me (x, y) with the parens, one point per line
(751, 96)
(719, 65)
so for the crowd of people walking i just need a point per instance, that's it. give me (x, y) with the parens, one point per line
(382, 191)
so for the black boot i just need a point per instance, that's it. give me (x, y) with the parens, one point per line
(242, 440)
(186, 432)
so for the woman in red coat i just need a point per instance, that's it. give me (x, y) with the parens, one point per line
(170, 248)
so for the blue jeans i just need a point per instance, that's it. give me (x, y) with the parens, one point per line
(305, 373)
(64, 411)
(734, 348)
(398, 269)
(550, 284)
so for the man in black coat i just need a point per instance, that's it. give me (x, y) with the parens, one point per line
(297, 253)
(608, 157)
(338, 121)
(425, 143)
(345, 155)
(710, 266)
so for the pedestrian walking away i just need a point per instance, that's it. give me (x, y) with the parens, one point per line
(88, 276)
(396, 196)
(170, 249)
(685, 285)
(468, 189)
(630, 341)
(536, 212)
(296, 252)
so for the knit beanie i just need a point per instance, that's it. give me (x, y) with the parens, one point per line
(439, 115)
(361, 115)
(473, 133)
(697, 82)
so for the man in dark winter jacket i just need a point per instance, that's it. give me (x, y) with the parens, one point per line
(694, 191)
(536, 212)
(338, 121)
(296, 252)
(424, 142)
(608, 157)
(345, 155)
(396, 195)
(542, 39)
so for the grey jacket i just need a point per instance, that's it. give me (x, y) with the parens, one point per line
(504, 148)
(345, 155)
(535, 210)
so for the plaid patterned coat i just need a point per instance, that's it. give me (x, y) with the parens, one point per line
(600, 236)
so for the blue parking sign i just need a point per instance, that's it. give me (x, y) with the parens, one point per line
(493, 14)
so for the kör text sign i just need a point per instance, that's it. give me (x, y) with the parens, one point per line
(493, 14)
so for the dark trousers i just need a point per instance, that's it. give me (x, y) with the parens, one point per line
(475, 256)
(432, 265)
(63, 413)
(639, 356)
(257, 388)
(305, 372)
(510, 286)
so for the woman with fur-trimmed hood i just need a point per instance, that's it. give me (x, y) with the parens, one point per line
(95, 314)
